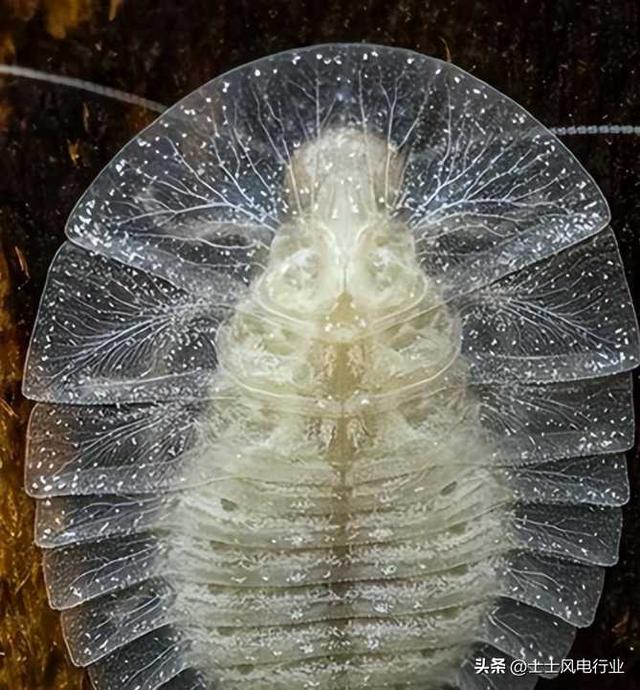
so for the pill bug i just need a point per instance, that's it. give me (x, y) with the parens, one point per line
(333, 387)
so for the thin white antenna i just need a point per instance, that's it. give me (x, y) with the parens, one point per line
(123, 96)
(595, 129)
(83, 85)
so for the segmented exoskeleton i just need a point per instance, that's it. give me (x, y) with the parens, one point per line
(333, 390)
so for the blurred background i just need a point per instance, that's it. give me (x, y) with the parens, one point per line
(568, 63)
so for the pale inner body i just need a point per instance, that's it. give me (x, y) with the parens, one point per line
(354, 539)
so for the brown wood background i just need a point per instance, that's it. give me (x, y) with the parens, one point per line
(566, 62)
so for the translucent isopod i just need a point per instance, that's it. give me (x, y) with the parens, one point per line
(333, 383)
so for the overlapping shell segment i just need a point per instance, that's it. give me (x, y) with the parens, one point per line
(334, 387)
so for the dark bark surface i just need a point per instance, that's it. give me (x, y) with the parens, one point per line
(566, 62)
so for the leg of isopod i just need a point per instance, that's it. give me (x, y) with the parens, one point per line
(334, 387)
